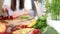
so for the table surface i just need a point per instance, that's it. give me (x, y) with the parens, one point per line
(50, 30)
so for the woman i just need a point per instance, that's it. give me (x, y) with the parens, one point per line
(15, 8)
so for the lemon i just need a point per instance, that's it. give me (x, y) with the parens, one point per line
(33, 22)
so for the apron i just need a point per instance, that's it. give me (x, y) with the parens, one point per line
(27, 5)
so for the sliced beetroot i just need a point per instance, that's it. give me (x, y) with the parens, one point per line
(14, 29)
(11, 17)
(1, 17)
(1, 33)
(24, 26)
(36, 31)
(4, 18)
(7, 33)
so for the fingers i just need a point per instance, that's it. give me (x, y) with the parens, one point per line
(17, 13)
(26, 12)
(5, 8)
(38, 9)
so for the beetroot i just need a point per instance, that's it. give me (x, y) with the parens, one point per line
(11, 17)
(14, 29)
(1, 17)
(4, 18)
(36, 31)
(1, 33)
(24, 26)
(7, 33)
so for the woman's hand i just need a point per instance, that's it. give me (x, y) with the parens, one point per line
(17, 13)
(4, 9)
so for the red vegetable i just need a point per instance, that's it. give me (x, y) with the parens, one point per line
(24, 26)
(1, 33)
(36, 31)
(7, 33)
(4, 18)
(14, 29)
(11, 17)
(1, 17)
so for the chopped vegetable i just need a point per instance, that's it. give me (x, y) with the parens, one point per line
(23, 31)
(33, 22)
(24, 17)
(41, 23)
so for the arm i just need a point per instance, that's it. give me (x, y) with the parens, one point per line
(4, 9)
(28, 4)
(17, 14)
(5, 6)
(38, 9)
(6, 3)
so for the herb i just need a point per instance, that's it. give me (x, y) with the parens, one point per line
(39, 0)
(54, 8)
(41, 23)
(24, 17)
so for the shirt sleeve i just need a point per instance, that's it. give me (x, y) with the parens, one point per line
(7, 3)
(28, 4)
